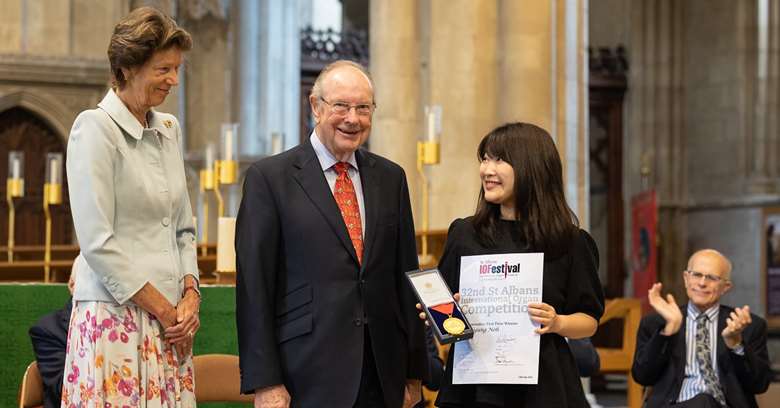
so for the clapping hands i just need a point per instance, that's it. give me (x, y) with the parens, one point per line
(735, 324)
(667, 308)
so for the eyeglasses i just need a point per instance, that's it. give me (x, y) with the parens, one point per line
(698, 275)
(342, 108)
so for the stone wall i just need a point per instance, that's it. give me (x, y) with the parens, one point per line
(485, 63)
(52, 56)
(699, 116)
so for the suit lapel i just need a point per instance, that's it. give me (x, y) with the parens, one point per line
(679, 350)
(310, 177)
(721, 354)
(370, 183)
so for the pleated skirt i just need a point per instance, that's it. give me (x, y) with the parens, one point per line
(116, 357)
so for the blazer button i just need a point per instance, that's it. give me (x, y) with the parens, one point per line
(358, 322)
(166, 221)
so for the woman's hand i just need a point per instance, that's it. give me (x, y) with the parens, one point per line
(422, 314)
(545, 315)
(187, 320)
(151, 300)
(168, 317)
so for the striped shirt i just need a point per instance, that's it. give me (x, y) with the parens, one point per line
(693, 382)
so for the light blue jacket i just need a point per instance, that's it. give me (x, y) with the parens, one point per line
(130, 206)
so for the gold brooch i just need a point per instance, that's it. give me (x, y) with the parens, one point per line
(168, 123)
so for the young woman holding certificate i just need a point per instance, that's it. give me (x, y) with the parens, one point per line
(522, 209)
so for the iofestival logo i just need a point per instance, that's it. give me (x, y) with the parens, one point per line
(493, 270)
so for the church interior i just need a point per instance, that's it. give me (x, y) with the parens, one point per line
(666, 115)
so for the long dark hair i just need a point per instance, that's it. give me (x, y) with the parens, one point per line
(547, 222)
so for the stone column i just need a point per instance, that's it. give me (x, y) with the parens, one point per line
(485, 63)
(207, 96)
(395, 69)
(527, 50)
(279, 75)
(763, 71)
(461, 77)
(207, 66)
(655, 126)
(268, 80)
(543, 71)
(571, 103)
(247, 84)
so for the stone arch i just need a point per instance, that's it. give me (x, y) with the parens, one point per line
(52, 112)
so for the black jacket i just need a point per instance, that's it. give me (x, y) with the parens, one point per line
(49, 338)
(659, 361)
(302, 298)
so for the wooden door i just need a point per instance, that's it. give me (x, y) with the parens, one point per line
(608, 85)
(22, 130)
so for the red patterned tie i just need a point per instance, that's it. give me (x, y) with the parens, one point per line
(344, 192)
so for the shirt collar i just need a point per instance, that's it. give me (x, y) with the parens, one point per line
(712, 312)
(119, 112)
(326, 158)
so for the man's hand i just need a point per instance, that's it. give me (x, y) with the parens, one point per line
(668, 309)
(412, 393)
(735, 324)
(275, 396)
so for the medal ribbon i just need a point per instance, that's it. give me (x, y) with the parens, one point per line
(446, 308)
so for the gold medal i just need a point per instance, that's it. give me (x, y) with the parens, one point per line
(451, 325)
(454, 326)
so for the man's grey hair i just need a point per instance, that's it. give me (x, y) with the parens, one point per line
(316, 90)
(725, 262)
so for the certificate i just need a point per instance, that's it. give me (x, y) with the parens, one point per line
(495, 291)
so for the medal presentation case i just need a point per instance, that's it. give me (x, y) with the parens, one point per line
(443, 313)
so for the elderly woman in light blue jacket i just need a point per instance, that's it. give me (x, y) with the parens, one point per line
(136, 294)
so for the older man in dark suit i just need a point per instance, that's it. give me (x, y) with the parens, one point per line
(323, 237)
(49, 338)
(702, 354)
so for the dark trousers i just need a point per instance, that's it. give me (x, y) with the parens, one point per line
(370, 393)
(700, 401)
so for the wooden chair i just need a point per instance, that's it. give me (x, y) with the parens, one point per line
(31, 390)
(771, 398)
(621, 359)
(217, 379)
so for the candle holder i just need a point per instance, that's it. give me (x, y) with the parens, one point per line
(428, 154)
(14, 188)
(52, 195)
(226, 251)
(206, 184)
(277, 143)
(226, 169)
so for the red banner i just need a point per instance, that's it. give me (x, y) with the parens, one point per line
(644, 251)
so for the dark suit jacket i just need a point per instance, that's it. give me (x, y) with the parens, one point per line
(435, 367)
(49, 338)
(659, 361)
(585, 355)
(302, 299)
